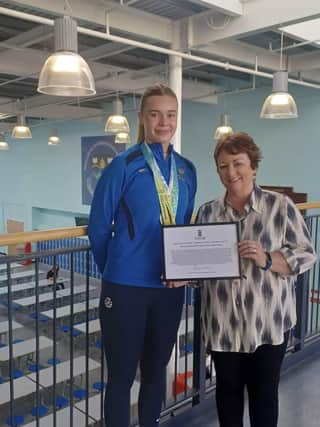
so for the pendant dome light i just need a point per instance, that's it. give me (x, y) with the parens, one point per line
(122, 138)
(65, 72)
(280, 104)
(3, 143)
(54, 138)
(224, 128)
(117, 122)
(21, 129)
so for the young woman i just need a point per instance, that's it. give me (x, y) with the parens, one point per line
(146, 186)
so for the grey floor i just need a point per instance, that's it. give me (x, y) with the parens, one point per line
(299, 400)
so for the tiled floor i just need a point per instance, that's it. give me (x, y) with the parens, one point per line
(299, 400)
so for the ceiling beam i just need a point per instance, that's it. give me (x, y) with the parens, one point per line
(311, 75)
(242, 53)
(137, 80)
(229, 7)
(105, 50)
(304, 31)
(30, 61)
(107, 78)
(29, 38)
(131, 21)
(258, 16)
(48, 107)
(63, 112)
(305, 61)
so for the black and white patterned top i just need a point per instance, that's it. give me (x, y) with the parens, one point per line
(239, 315)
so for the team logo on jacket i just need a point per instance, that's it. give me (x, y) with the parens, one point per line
(108, 302)
(181, 175)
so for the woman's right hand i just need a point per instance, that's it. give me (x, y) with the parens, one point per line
(175, 283)
(178, 283)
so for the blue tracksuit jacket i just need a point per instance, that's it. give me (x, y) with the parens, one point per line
(130, 252)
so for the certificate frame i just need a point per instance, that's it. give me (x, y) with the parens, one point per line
(189, 240)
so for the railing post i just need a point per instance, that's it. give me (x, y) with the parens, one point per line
(302, 295)
(199, 367)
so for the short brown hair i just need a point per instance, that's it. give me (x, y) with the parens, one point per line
(239, 142)
(156, 90)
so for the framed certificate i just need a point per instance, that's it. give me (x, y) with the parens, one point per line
(201, 251)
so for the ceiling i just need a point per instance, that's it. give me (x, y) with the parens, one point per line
(235, 33)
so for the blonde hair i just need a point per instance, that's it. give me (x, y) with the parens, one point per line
(156, 90)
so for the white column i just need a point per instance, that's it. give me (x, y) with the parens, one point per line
(175, 82)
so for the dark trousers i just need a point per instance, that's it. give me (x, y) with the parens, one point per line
(260, 372)
(138, 325)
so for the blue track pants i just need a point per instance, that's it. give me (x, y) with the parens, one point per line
(138, 325)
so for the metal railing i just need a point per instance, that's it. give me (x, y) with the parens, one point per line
(47, 365)
(58, 367)
(51, 358)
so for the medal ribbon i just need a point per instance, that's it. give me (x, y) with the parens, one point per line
(168, 194)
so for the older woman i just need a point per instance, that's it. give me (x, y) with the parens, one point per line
(247, 321)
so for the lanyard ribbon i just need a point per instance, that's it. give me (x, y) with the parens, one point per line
(168, 194)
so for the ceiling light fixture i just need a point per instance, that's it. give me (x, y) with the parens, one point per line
(21, 129)
(122, 138)
(224, 128)
(280, 104)
(65, 72)
(3, 143)
(54, 138)
(117, 122)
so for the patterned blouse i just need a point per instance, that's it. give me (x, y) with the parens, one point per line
(239, 315)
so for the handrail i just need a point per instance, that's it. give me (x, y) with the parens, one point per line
(62, 233)
(37, 236)
(308, 205)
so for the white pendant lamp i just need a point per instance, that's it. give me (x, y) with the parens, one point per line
(280, 104)
(117, 122)
(21, 129)
(3, 143)
(122, 138)
(224, 128)
(54, 138)
(65, 72)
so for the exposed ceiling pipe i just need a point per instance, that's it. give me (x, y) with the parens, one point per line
(165, 51)
(295, 45)
(63, 101)
(228, 92)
